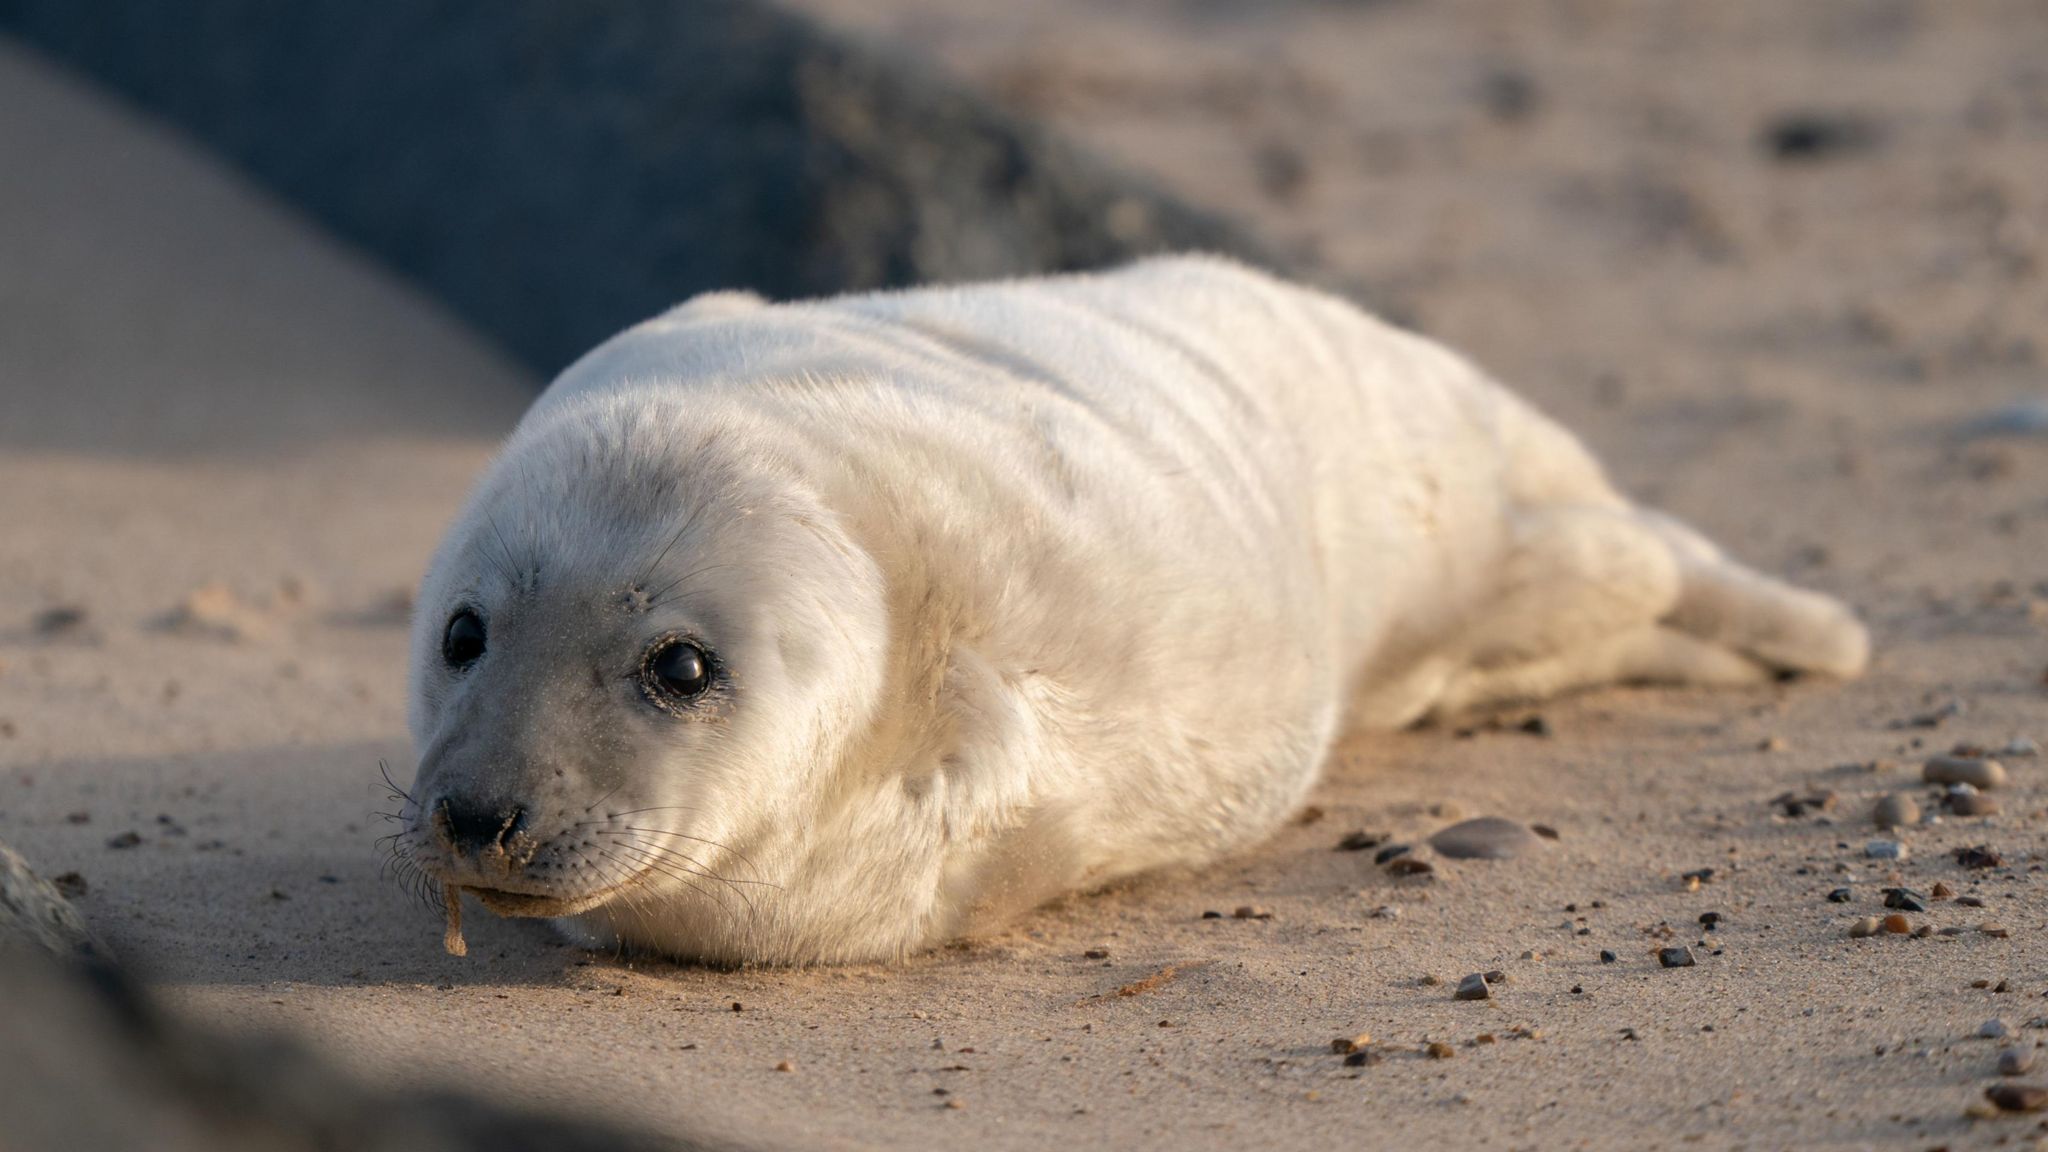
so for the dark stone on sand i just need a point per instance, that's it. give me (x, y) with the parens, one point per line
(1473, 987)
(555, 170)
(1979, 856)
(1485, 838)
(2017, 1097)
(1905, 900)
(1680, 957)
(1801, 137)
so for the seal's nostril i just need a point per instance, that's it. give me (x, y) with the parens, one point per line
(471, 828)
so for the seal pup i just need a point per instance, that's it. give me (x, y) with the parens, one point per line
(827, 631)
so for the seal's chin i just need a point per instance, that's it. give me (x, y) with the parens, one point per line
(527, 904)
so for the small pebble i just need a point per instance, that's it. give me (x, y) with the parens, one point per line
(1251, 912)
(1345, 1045)
(1544, 830)
(1996, 1028)
(59, 621)
(125, 840)
(1390, 852)
(1364, 1057)
(1675, 957)
(1897, 810)
(1976, 772)
(1359, 841)
(1970, 901)
(1438, 1050)
(2015, 1061)
(785, 1066)
(1868, 926)
(1096, 954)
(70, 885)
(1885, 850)
(1941, 891)
(1995, 931)
(1485, 838)
(1948, 710)
(1972, 804)
(1897, 924)
(1979, 856)
(2020, 748)
(1473, 987)
(1841, 896)
(1607, 957)
(1410, 866)
(2017, 1097)
(1905, 900)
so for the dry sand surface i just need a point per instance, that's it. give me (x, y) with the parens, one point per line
(1786, 349)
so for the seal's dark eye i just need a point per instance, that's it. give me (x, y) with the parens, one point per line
(464, 640)
(678, 670)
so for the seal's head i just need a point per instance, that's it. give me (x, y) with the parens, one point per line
(635, 655)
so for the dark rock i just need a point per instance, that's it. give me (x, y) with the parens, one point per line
(125, 840)
(1608, 957)
(1980, 856)
(1473, 987)
(1680, 957)
(1905, 900)
(2017, 1097)
(62, 620)
(1410, 866)
(555, 172)
(1795, 804)
(1360, 841)
(1802, 137)
(1485, 838)
(1391, 851)
(1841, 896)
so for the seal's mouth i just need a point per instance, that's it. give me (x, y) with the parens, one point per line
(527, 904)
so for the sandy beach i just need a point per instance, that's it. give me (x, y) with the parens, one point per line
(1784, 268)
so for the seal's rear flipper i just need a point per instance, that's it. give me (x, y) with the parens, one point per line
(1785, 628)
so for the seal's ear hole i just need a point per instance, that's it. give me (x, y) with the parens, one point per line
(675, 670)
(463, 643)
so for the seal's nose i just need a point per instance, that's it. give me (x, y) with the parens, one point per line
(471, 828)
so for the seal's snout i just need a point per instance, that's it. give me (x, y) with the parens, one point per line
(479, 831)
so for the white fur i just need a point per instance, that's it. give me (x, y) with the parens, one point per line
(1020, 588)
